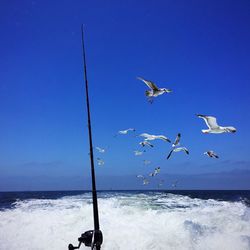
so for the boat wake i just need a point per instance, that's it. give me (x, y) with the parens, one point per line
(154, 221)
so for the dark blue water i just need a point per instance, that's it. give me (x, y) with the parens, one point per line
(8, 199)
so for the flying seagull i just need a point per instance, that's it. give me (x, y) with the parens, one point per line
(174, 184)
(144, 180)
(100, 162)
(154, 90)
(100, 150)
(139, 176)
(124, 132)
(211, 154)
(156, 171)
(214, 128)
(177, 140)
(178, 150)
(137, 153)
(146, 143)
(154, 137)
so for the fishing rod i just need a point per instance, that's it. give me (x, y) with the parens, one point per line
(91, 238)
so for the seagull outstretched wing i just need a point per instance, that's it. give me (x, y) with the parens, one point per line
(150, 84)
(210, 121)
(177, 140)
(170, 154)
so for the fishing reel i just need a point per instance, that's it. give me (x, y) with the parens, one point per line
(91, 238)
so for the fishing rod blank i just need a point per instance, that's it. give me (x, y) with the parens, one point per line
(91, 238)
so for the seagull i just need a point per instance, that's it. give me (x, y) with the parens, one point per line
(137, 153)
(154, 90)
(177, 140)
(100, 162)
(100, 150)
(139, 176)
(124, 132)
(146, 143)
(174, 185)
(211, 154)
(153, 137)
(156, 171)
(214, 128)
(145, 181)
(146, 162)
(178, 150)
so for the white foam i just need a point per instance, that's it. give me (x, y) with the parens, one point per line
(138, 222)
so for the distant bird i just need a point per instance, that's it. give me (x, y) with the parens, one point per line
(174, 184)
(144, 180)
(100, 162)
(100, 150)
(154, 90)
(178, 150)
(177, 140)
(214, 128)
(154, 137)
(146, 162)
(139, 176)
(146, 143)
(156, 171)
(124, 132)
(211, 154)
(137, 153)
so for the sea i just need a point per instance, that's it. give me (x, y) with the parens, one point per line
(129, 220)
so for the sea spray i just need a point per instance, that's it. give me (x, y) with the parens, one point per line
(152, 221)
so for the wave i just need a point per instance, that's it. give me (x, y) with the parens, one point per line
(152, 221)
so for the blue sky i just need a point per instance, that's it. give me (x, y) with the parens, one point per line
(200, 49)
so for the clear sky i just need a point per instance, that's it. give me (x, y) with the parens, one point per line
(199, 49)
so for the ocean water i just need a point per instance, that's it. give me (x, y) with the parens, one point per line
(180, 220)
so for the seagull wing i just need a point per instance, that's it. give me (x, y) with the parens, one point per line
(181, 149)
(170, 154)
(164, 138)
(185, 150)
(150, 84)
(177, 140)
(210, 121)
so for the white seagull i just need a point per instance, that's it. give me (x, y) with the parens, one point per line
(100, 162)
(154, 137)
(214, 128)
(139, 176)
(137, 153)
(154, 90)
(211, 154)
(124, 132)
(156, 171)
(100, 150)
(177, 140)
(178, 150)
(174, 184)
(145, 181)
(146, 143)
